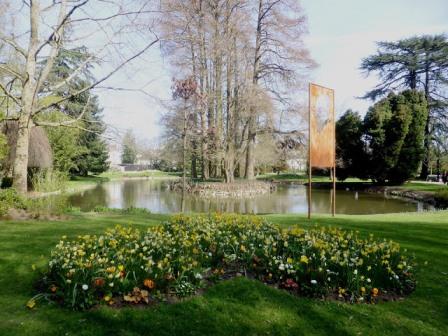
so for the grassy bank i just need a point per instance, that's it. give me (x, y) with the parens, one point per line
(417, 186)
(424, 186)
(236, 307)
(114, 175)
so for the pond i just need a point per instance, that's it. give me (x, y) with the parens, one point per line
(154, 195)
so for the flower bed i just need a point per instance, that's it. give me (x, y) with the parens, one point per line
(176, 259)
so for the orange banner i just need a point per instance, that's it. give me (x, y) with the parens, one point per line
(322, 127)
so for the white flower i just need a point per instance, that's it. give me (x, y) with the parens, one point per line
(355, 272)
(281, 267)
(111, 284)
(198, 276)
(329, 279)
(313, 282)
(368, 280)
(85, 287)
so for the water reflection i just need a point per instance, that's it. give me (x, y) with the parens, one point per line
(155, 196)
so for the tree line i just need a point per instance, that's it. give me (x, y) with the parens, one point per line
(404, 132)
(245, 60)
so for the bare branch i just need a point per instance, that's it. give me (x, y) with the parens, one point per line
(99, 81)
(13, 44)
(9, 94)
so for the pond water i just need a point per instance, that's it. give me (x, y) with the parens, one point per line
(154, 195)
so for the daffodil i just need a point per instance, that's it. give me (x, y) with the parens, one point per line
(304, 259)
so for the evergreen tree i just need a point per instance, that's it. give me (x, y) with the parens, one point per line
(88, 152)
(95, 158)
(415, 63)
(129, 153)
(350, 153)
(412, 150)
(394, 132)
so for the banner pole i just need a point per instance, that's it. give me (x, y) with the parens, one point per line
(309, 151)
(334, 160)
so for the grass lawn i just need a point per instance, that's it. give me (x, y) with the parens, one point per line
(145, 173)
(235, 307)
(424, 186)
(77, 181)
(302, 178)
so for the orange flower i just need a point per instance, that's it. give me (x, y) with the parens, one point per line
(375, 291)
(53, 288)
(99, 282)
(149, 283)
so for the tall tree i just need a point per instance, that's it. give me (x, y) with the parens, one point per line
(129, 148)
(244, 85)
(87, 151)
(394, 132)
(43, 38)
(416, 63)
(350, 151)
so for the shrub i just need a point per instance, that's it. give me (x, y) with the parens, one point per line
(9, 199)
(43, 206)
(49, 180)
(185, 253)
(441, 198)
(127, 211)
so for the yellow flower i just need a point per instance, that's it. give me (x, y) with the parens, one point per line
(121, 268)
(304, 259)
(289, 260)
(107, 298)
(375, 291)
(363, 290)
(110, 269)
(31, 304)
(243, 248)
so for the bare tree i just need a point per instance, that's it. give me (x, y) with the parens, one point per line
(249, 60)
(76, 22)
(184, 89)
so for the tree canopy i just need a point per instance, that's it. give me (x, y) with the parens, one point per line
(421, 63)
(387, 146)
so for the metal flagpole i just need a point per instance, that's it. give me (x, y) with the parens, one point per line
(309, 151)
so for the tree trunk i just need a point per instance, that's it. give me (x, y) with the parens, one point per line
(250, 157)
(202, 74)
(427, 144)
(184, 158)
(20, 166)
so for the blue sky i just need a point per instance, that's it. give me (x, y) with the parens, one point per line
(341, 33)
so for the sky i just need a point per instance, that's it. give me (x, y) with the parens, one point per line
(341, 34)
